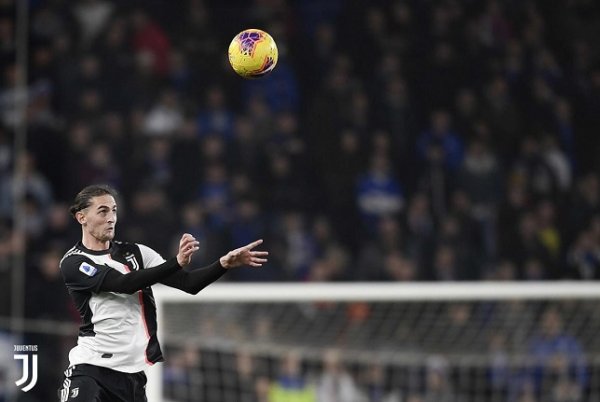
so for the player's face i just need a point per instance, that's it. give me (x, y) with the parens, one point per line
(100, 218)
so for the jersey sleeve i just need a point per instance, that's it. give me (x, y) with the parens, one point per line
(81, 273)
(150, 258)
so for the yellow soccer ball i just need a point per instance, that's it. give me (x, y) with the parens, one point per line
(253, 53)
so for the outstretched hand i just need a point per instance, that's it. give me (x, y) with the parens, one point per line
(244, 256)
(188, 245)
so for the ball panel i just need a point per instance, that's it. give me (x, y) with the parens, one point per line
(253, 53)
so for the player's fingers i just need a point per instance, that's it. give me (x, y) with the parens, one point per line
(189, 244)
(189, 239)
(190, 251)
(259, 260)
(259, 253)
(253, 244)
(254, 264)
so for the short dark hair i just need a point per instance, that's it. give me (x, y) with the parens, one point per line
(83, 199)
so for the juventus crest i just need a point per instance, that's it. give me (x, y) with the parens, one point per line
(132, 261)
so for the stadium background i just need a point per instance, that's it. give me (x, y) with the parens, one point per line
(395, 141)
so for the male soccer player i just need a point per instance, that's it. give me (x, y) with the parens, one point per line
(109, 282)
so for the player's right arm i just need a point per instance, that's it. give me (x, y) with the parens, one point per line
(81, 273)
(133, 281)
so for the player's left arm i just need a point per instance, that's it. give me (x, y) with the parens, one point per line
(194, 280)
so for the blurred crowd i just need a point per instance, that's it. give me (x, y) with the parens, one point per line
(246, 377)
(396, 140)
(395, 363)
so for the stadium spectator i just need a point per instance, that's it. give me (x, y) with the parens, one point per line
(583, 258)
(165, 117)
(214, 192)
(150, 202)
(332, 266)
(418, 225)
(287, 188)
(438, 386)
(502, 116)
(294, 245)
(151, 40)
(335, 382)
(155, 164)
(558, 357)
(246, 377)
(373, 385)
(183, 377)
(34, 186)
(215, 117)
(371, 258)
(532, 169)
(340, 171)
(92, 16)
(378, 192)
(440, 135)
(291, 383)
(479, 177)
(445, 267)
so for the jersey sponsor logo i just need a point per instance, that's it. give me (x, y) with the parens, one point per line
(88, 269)
(75, 392)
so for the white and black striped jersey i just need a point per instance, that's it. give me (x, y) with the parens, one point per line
(118, 329)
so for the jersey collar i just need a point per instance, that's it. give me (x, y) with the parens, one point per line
(95, 252)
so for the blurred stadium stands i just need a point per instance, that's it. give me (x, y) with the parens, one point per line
(397, 140)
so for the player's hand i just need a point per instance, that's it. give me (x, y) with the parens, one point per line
(244, 256)
(188, 245)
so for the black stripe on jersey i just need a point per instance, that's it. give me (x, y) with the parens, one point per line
(81, 287)
(87, 327)
(153, 352)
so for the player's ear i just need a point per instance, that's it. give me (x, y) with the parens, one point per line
(80, 216)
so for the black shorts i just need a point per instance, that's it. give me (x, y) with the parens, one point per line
(87, 383)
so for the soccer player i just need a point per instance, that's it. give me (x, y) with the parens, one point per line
(109, 282)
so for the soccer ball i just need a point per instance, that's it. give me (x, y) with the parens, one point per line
(253, 53)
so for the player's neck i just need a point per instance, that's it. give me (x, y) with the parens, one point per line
(91, 243)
